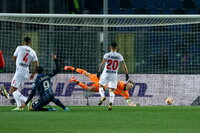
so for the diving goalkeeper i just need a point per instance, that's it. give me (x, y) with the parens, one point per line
(122, 87)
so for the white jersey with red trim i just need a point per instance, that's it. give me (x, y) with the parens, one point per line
(25, 55)
(112, 65)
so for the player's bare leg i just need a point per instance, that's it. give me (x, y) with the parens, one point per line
(102, 94)
(84, 86)
(112, 97)
(17, 96)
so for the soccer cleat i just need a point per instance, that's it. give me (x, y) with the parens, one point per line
(52, 109)
(69, 68)
(4, 92)
(73, 79)
(66, 109)
(103, 99)
(29, 104)
(17, 109)
(110, 107)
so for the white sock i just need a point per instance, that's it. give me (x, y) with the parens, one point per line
(15, 96)
(22, 97)
(19, 96)
(112, 97)
(18, 102)
(101, 92)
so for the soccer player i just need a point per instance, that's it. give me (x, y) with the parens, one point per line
(2, 62)
(23, 56)
(109, 75)
(42, 85)
(3, 92)
(122, 87)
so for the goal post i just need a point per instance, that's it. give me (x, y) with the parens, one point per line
(78, 38)
(151, 44)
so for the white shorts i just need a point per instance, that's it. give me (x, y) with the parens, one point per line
(111, 81)
(19, 78)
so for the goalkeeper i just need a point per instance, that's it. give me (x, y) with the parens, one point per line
(42, 84)
(122, 87)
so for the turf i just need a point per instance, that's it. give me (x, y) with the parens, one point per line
(93, 119)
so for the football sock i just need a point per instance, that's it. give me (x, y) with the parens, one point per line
(72, 68)
(84, 86)
(58, 102)
(18, 102)
(81, 71)
(101, 92)
(20, 96)
(16, 97)
(112, 97)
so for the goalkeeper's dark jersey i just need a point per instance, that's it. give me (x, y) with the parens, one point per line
(42, 85)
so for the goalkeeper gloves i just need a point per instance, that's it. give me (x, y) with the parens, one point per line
(127, 77)
(98, 75)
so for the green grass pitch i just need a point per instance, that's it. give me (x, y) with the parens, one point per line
(94, 119)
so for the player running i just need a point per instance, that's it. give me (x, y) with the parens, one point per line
(109, 75)
(23, 56)
(42, 85)
(122, 87)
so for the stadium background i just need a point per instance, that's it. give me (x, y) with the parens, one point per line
(170, 49)
(146, 50)
(163, 61)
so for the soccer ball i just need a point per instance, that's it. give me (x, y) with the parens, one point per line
(169, 101)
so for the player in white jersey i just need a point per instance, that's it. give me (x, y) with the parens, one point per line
(109, 75)
(23, 56)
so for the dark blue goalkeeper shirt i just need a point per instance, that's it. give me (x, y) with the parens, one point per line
(42, 85)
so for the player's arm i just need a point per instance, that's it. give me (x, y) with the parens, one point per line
(100, 67)
(125, 70)
(36, 64)
(128, 101)
(57, 70)
(30, 96)
(14, 56)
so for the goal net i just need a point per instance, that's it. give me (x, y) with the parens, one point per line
(150, 44)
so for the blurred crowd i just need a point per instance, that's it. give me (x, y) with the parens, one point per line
(96, 6)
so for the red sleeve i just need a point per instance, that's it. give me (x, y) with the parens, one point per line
(2, 63)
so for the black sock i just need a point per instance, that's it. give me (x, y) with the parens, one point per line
(58, 102)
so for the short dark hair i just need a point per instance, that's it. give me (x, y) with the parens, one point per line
(39, 69)
(27, 40)
(113, 45)
(130, 82)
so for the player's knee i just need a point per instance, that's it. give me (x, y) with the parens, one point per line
(12, 89)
